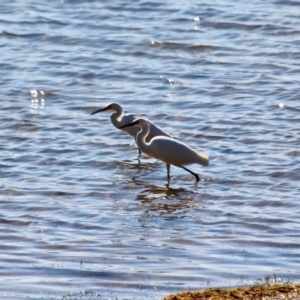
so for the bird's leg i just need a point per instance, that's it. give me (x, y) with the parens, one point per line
(140, 152)
(168, 171)
(196, 175)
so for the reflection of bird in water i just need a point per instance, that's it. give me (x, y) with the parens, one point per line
(166, 149)
(119, 119)
(165, 201)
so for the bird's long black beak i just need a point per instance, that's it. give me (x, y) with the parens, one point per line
(98, 110)
(101, 109)
(130, 124)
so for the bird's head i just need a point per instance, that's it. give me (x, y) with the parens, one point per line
(136, 122)
(111, 106)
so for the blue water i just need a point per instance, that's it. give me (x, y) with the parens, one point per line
(80, 211)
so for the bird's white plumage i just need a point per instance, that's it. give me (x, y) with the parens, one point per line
(119, 119)
(173, 152)
(166, 149)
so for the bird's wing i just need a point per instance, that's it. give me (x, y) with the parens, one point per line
(176, 153)
(155, 130)
(128, 118)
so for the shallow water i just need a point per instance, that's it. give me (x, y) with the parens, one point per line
(81, 211)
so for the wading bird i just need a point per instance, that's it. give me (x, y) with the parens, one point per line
(119, 119)
(166, 149)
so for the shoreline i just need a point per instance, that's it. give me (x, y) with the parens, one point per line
(276, 291)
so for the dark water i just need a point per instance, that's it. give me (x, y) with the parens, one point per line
(80, 212)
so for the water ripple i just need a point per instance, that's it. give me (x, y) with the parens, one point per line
(80, 209)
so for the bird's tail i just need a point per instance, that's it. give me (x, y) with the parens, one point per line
(203, 160)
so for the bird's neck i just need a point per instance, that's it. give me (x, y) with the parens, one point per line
(116, 118)
(141, 138)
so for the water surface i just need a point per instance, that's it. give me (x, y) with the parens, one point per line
(80, 211)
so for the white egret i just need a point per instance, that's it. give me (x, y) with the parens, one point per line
(166, 149)
(119, 118)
